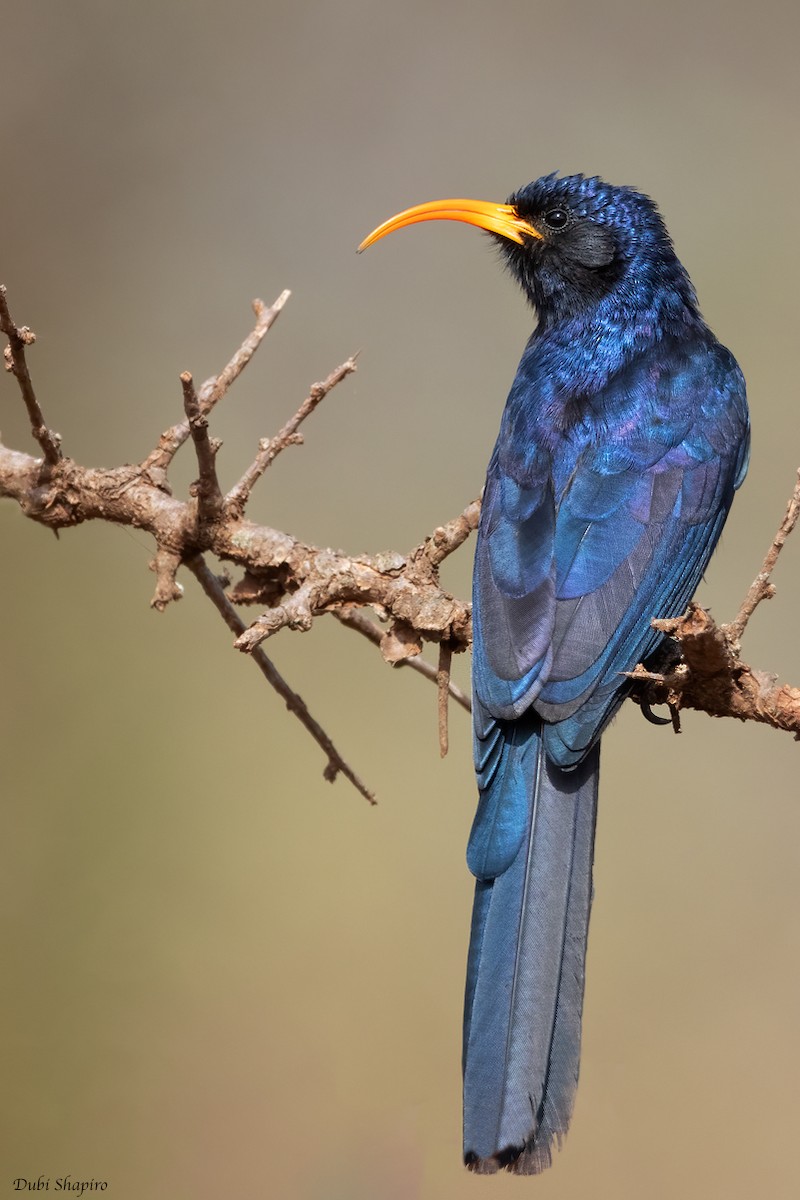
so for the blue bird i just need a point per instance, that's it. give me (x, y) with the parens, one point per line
(623, 440)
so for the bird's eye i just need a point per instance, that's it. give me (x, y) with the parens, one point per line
(556, 218)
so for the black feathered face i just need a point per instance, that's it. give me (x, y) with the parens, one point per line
(574, 262)
(592, 241)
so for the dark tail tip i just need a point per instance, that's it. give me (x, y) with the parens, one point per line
(520, 1160)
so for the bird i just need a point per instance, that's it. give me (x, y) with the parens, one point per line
(623, 440)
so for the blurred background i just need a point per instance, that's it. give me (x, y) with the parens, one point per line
(224, 975)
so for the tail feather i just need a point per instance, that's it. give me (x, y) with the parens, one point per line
(525, 978)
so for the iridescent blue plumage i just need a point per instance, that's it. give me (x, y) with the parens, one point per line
(623, 440)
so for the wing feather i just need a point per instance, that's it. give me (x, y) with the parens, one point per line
(583, 542)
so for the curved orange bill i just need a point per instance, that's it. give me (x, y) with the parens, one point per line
(497, 218)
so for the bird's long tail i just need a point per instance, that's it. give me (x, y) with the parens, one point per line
(522, 1020)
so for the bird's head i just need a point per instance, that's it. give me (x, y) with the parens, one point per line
(572, 242)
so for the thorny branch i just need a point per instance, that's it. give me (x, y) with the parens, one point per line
(354, 619)
(294, 583)
(207, 489)
(215, 591)
(213, 390)
(270, 448)
(18, 338)
(762, 587)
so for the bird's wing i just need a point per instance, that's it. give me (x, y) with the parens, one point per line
(571, 567)
(513, 617)
(635, 528)
(514, 581)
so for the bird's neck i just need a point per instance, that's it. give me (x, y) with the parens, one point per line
(578, 353)
(565, 389)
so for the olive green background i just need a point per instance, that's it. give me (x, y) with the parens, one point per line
(224, 976)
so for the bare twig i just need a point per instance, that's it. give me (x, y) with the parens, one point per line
(209, 496)
(295, 613)
(18, 338)
(448, 537)
(270, 448)
(165, 564)
(336, 764)
(214, 388)
(354, 619)
(762, 587)
(212, 391)
(443, 682)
